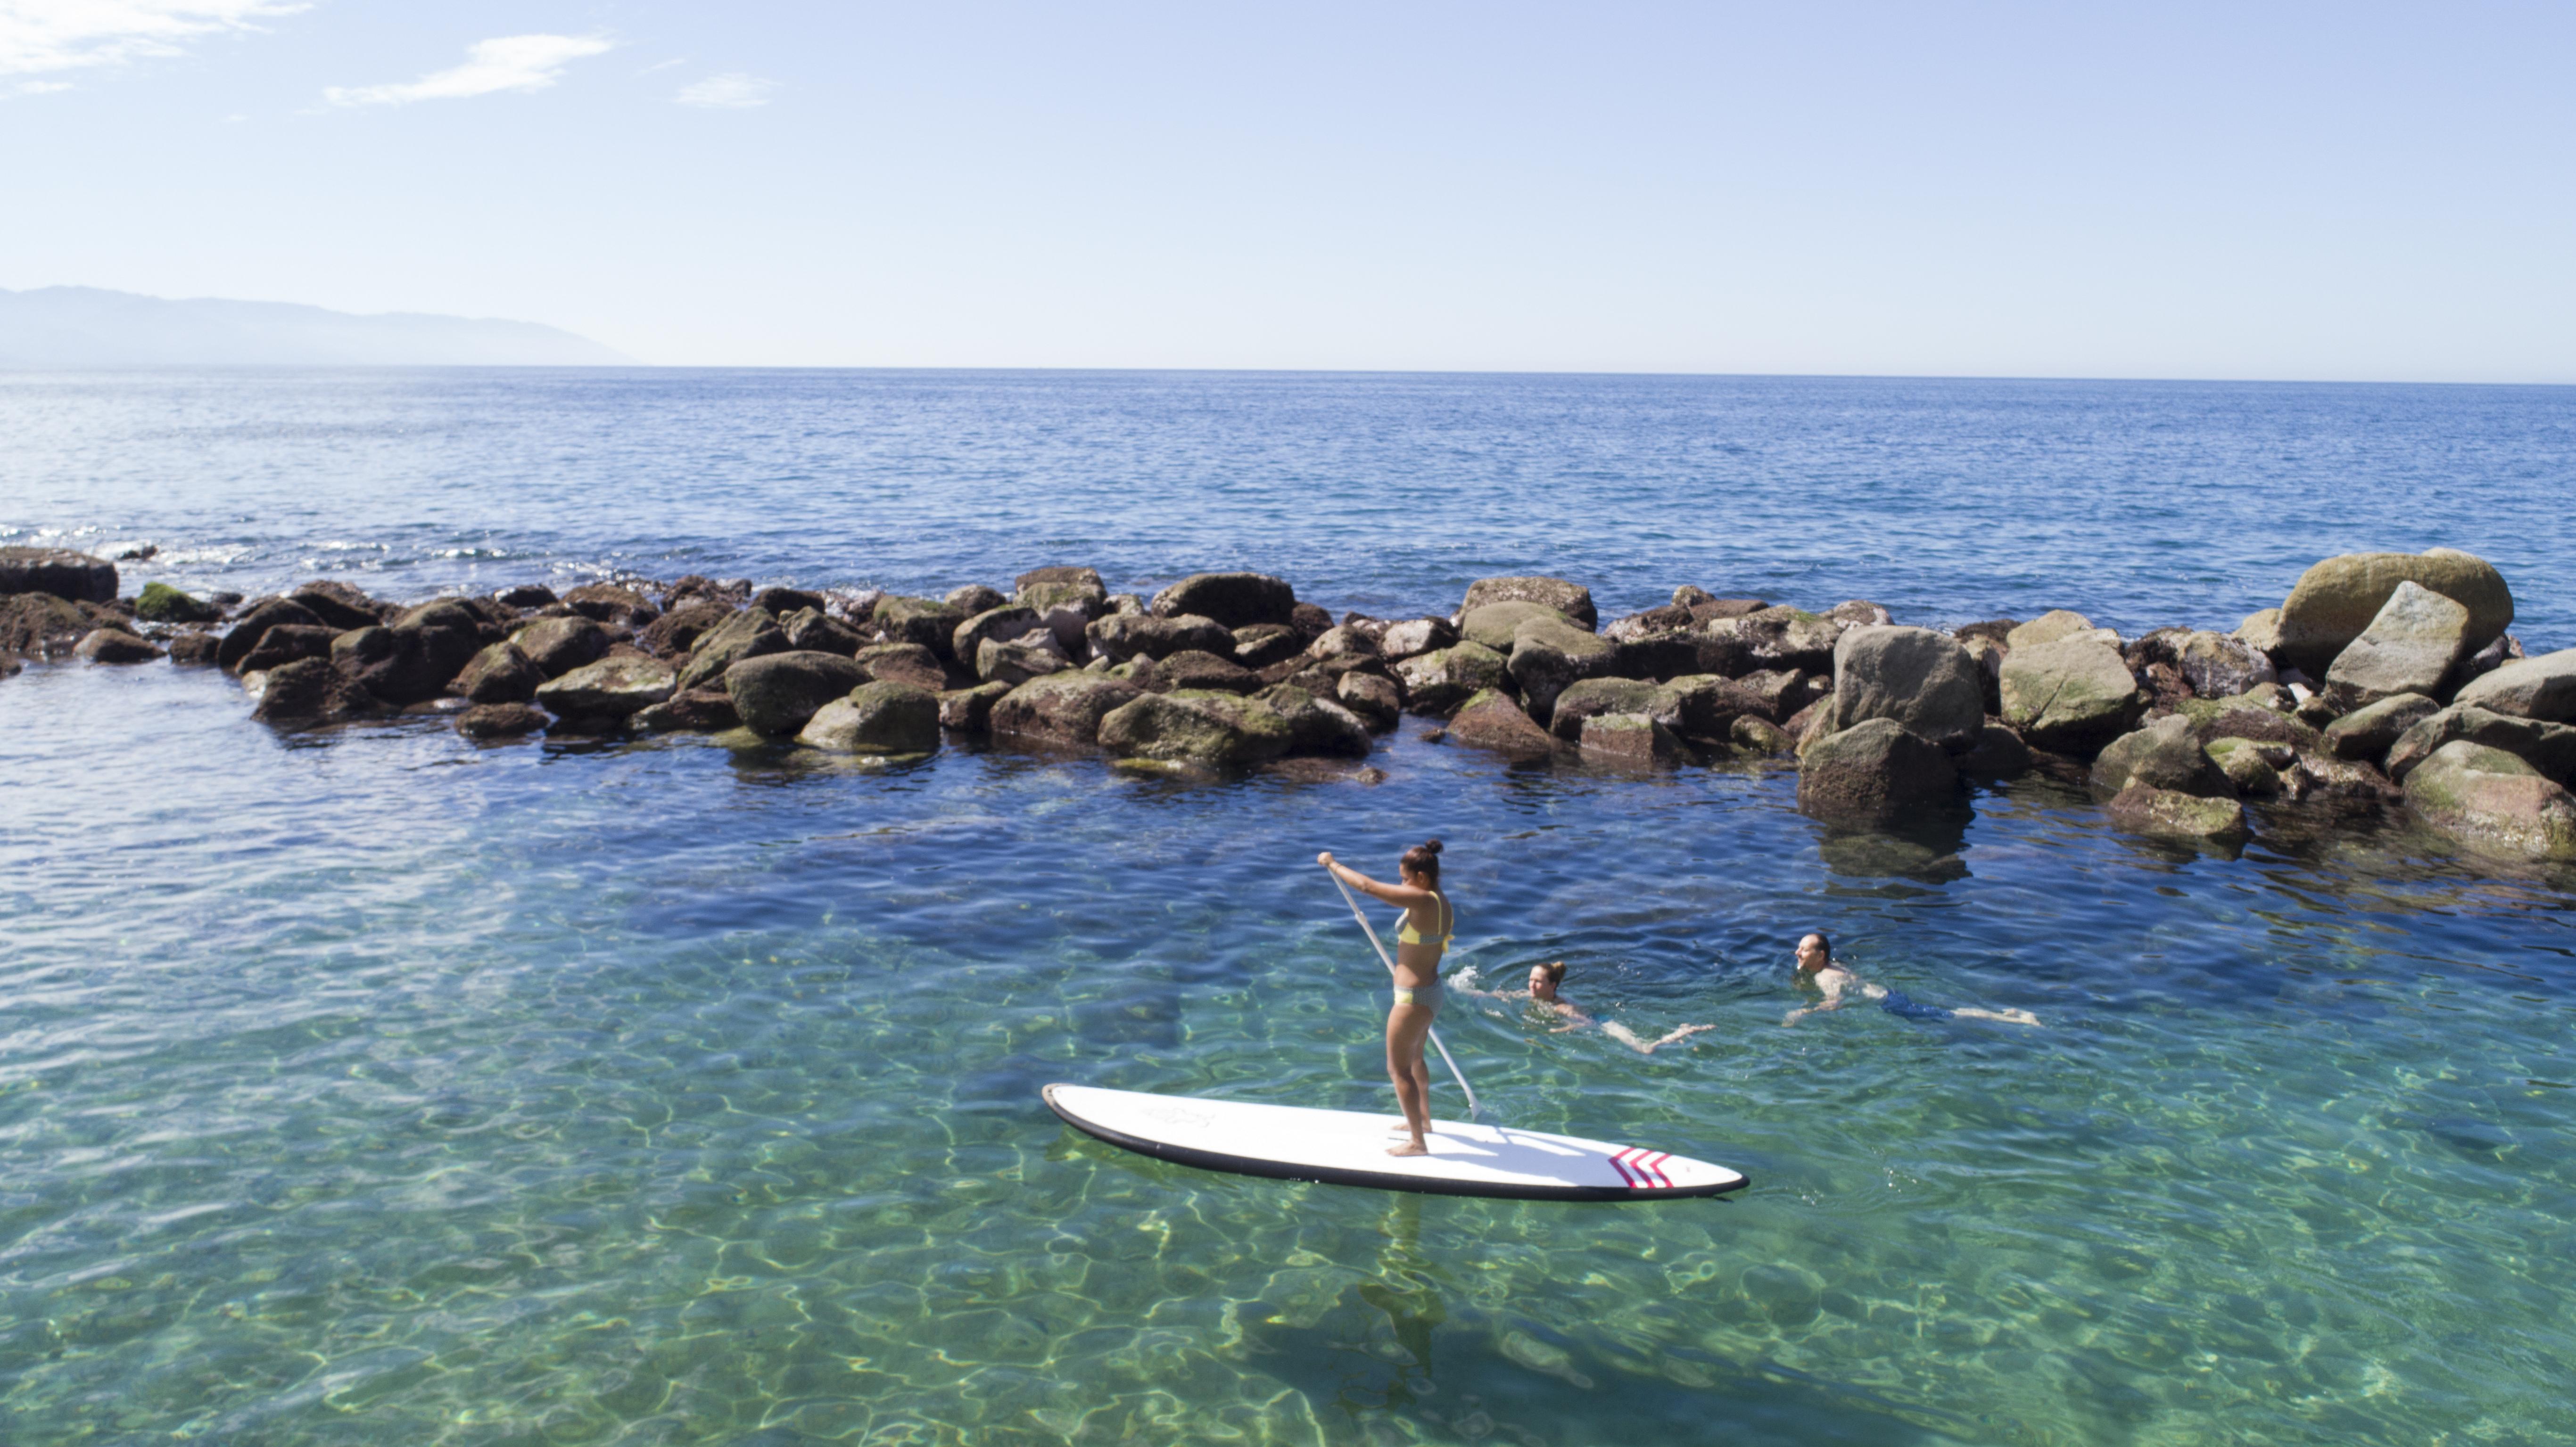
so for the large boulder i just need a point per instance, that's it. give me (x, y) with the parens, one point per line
(1001, 624)
(74, 577)
(1921, 679)
(876, 718)
(2261, 631)
(1679, 652)
(1234, 600)
(970, 710)
(1061, 708)
(115, 645)
(612, 688)
(2368, 733)
(1494, 624)
(2172, 814)
(1490, 720)
(2218, 666)
(499, 674)
(288, 643)
(698, 711)
(2054, 626)
(1875, 771)
(1066, 607)
(777, 693)
(1191, 669)
(2335, 601)
(1015, 661)
(557, 646)
(1414, 637)
(1595, 697)
(2253, 769)
(245, 634)
(811, 630)
(1701, 706)
(1569, 598)
(1122, 636)
(1192, 726)
(903, 663)
(310, 691)
(750, 633)
(973, 598)
(678, 631)
(1374, 698)
(1548, 653)
(1630, 738)
(2543, 688)
(2410, 647)
(2493, 802)
(410, 663)
(1076, 576)
(41, 625)
(2547, 747)
(502, 721)
(339, 605)
(1782, 638)
(1316, 725)
(610, 603)
(1263, 644)
(2071, 696)
(925, 621)
(161, 603)
(1437, 682)
(2163, 755)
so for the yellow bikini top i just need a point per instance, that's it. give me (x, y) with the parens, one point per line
(1408, 935)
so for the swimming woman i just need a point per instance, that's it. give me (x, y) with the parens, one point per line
(1545, 989)
(1419, 945)
(1817, 967)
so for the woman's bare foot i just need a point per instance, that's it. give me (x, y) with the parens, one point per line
(1409, 1148)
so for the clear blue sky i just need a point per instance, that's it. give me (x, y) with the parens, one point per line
(2327, 191)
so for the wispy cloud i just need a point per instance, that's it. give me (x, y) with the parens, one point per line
(47, 35)
(732, 90)
(511, 62)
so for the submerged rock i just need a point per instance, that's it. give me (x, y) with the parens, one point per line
(2410, 647)
(1194, 726)
(777, 692)
(2145, 809)
(1921, 679)
(2335, 601)
(876, 718)
(1489, 719)
(1061, 708)
(2069, 697)
(1569, 598)
(1876, 770)
(2493, 802)
(74, 577)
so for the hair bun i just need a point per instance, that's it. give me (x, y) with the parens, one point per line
(1431, 846)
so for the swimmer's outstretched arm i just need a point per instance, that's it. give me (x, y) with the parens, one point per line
(2009, 1017)
(1628, 1037)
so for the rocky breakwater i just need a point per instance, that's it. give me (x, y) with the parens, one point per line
(2383, 681)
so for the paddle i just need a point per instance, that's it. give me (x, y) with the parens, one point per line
(1475, 1110)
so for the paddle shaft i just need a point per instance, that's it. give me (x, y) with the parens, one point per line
(1473, 1109)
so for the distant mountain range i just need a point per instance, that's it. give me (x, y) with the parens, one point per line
(78, 326)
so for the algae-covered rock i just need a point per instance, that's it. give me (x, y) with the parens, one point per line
(876, 718)
(1758, 736)
(1124, 636)
(2493, 802)
(2145, 809)
(1317, 726)
(502, 721)
(1594, 697)
(246, 633)
(115, 645)
(970, 710)
(613, 688)
(1233, 600)
(698, 711)
(811, 630)
(309, 691)
(2252, 769)
(288, 643)
(499, 673)
(2054, 626)
(1061, 708)
(2369, 732)
(1493, 624)
(1549, 653)
(557, 646)
(1263, 644)
(1782, 638)
(1192, 726)
(612, 603)
(1876, 770)
(161, 603)
(925, 621)
(2409, 647)
(2163, 755)
(1378, 701)
(2069, 697)
(1491, 720)
(1438, 682)
(1191, 669)
(1015, 661)
(1001, 624)
(904, 663)
(1414, 637)
(1921, 679)
(2542, 687)
(1699, 705)
(677, 631)
(2547, 747)
(1630, 738)
(1569, 598)
(777, 693)
(2335, 601)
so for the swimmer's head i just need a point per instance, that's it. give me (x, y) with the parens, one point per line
(1815, 952)
(1543, 979)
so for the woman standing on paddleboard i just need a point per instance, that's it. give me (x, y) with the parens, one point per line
(1428, 923)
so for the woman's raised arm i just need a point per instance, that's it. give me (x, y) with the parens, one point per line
(1403, 894)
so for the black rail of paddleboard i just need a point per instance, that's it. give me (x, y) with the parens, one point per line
(1372, 1180)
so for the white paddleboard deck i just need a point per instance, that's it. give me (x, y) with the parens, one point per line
(1348, 1148)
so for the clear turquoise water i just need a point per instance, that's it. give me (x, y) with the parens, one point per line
(378, 1087)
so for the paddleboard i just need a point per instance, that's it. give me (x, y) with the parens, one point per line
(1348, 1148)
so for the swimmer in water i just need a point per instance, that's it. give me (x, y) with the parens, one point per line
(1816, 967)
(1544, 992)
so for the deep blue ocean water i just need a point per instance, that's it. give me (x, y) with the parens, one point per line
(372, 1086)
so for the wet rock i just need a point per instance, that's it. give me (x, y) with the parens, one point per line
(1122, 636)
(1919, 678)
(680, 629)
(245, 634)
(115, 645)
(1491, 720)
(777, 693)
(161, 603)
(1265, 644)
(612, 688)
(1061, 708)
(1760, 737)
(2253, 770)
(500, 673)
(2217, 666)
(1696, 706)
(1233, 600)
(1683, 652)
(1549, 653)
(698, 711)
(2345, 783)
(557, 646)
(525, 596)
(2369, 732)
(1592, 698)
(194, 649)
(1015, 661)
(1376, 700)
(2547, 747)
(286, 643)
(310, 691)
(903, 663)
(2255, 715)
(2493, 802)
(1002, 622)
(2335, 601)
(1783, 638)
(74, 577)
(970, 710)
(730, 594)
(2409, 647)
(402, 666)
(933, 625)
(1193, 670)
(40, 625)
(2144, 809)
(1569, 598)
(1414, 637)
(751, 633)
(876, 718)
(2055, 626)
(2537, 688)
(1316, 726)
(1999, 754)
(1495, 624)
(2070, 696)
(1194, 727)
(2505, 649)
(811, 630)
(341, 606)
(502, 721)
(1782, 692)
(2163, 755)
(1436, 683)
(1630, 738)
(610, 603)
(1876, 770)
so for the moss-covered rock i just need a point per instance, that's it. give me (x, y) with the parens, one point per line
(878, 717)
(1061, 708)
(1877, 771)
(1438, 682)
(1489, 719)
(1195, 726)
(2335, 600)
(2493, 802)
(2144, 809)
(161, 603)
(2070, 697)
